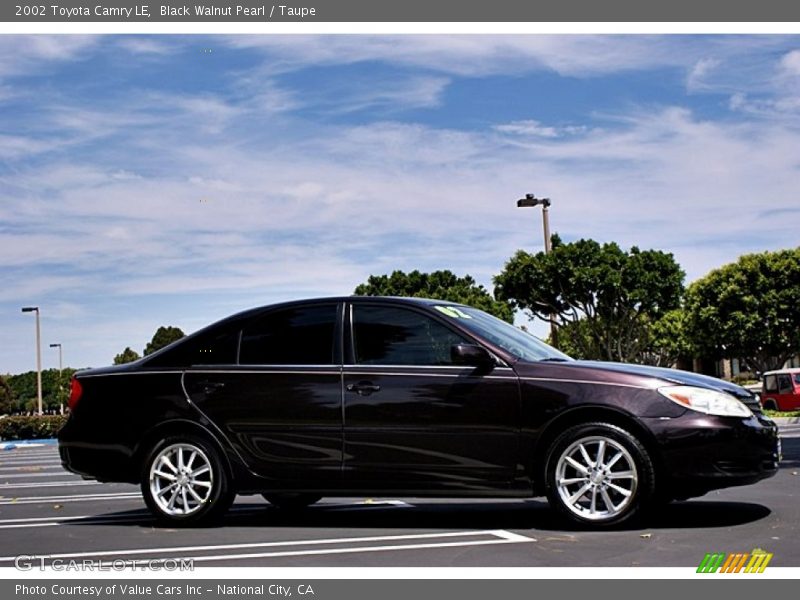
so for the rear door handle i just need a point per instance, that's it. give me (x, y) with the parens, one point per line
(363, 388)
(209, 387)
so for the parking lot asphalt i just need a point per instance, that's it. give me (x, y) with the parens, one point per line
(48, 513)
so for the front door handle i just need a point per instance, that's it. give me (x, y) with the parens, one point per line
(363, 388)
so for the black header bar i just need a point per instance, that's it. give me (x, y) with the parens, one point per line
(420, 11)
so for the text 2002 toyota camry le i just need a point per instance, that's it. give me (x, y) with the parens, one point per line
(379, 396)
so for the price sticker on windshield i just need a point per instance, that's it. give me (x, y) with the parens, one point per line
(453, 312)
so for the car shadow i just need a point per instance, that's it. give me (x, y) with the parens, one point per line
(535, 515)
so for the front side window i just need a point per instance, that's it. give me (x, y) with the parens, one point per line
(301, 335)
(387, 335)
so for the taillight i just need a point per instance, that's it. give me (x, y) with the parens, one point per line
(75, 393)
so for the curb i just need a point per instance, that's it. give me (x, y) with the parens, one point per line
(14, 444)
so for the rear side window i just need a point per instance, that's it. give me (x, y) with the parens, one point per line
(784, 384)
(293, 336)
(385, 335)
(216, 346)
(771, 384)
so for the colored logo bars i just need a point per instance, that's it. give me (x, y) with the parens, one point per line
(720, 562)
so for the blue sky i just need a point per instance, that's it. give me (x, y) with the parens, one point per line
(172, 180)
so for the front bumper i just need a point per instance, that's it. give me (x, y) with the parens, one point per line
(700, 452)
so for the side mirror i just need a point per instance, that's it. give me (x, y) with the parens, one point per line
(471, 355)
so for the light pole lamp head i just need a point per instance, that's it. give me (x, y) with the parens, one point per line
(531, 200)
(55, 345)
(30, 309)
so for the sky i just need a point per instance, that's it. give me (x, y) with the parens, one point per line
(174, 180)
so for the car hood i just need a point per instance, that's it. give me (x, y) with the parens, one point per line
(668, 375)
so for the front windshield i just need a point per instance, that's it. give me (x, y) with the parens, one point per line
(512, 339)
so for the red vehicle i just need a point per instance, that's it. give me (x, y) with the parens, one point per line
(781, 390)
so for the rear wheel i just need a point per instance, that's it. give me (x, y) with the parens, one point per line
(599, 474)
(770, 404)
(292, 501)
(184, 481)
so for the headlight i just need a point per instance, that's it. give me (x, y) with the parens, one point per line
(706, 401)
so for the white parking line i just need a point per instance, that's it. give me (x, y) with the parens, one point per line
(31, 467)
(18, 475)
(243, 509)
(56, 521)
(33, 463)
(7, 486)
(70, 498)
(494, 537)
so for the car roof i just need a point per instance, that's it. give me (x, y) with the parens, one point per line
(427, 302)
(781, 371)
(388, 299)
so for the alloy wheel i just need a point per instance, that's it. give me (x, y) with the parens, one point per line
(181, 479)
(596, 478)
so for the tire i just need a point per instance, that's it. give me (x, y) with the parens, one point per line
(292, 501)
(619, 491)
(184, 481)
(770, 404)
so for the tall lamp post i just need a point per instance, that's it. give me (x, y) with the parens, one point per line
(60, 382)
(530, 201)
(35, 309)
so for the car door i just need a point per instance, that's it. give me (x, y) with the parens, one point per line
(413, 420)
(281, 404)
(785, 396)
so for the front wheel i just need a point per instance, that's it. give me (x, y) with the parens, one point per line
(184, 481)
(599, 474)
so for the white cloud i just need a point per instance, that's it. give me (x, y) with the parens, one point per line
(32, 53)
(402, 94)
(531, 127)
(790, 63)
(471, 55)
(702, 69)
(140, 45)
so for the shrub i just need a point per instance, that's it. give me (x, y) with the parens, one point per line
(31, 428)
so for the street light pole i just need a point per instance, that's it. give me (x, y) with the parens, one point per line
(529, 201)
(38, 356)
(60, 382)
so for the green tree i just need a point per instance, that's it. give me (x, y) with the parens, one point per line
(163, 336)
(7, 403)
(126, 356)
(438, 285)
(668, 340)
(749, 309)
(604, 298)
(54, 389)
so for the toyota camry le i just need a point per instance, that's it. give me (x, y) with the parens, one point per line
(412, 397)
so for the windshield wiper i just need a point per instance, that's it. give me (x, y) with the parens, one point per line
(553, 359)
